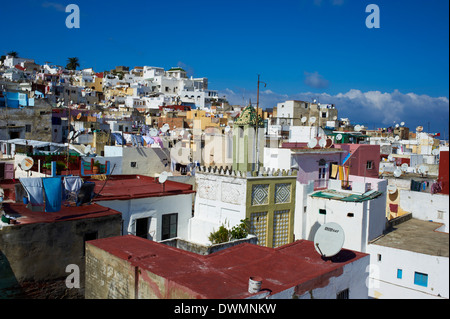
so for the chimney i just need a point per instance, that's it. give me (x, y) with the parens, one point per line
(254, 284)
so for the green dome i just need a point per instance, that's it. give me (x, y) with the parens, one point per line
(248, 117)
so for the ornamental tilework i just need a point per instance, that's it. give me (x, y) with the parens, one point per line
(280, 228)
(260, 194)
(258, 227)
(282, 193)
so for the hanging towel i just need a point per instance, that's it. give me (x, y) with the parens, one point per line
(34, 188)
(346, 173)
(53, 193)
(393, 208)
(341, 173)
(415, 186)
(159, 141)
(334, 170)
(72, 183)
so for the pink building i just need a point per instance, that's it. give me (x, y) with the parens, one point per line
(315, 164)
(364, 159)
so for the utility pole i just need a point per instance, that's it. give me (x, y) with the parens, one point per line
(257, 124)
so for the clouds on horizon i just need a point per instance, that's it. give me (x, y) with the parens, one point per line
(371, 108)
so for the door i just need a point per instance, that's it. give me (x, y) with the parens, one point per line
(142, 227)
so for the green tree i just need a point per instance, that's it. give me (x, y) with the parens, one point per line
(13, 54)
(72, 63)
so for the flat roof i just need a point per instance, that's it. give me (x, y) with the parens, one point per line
(347, 197)
(124, 187)
(225, 274)
(417, 236)
(25, 216)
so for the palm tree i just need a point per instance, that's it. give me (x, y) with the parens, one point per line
(14, 54)
(72, 64)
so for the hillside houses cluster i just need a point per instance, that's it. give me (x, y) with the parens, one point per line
(131, 176)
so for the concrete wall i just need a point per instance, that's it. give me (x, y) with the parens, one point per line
(426, 206)
(353, 277)
(34, 256)
(277, 158)
(107, 276)
(219, 200)
(384, 283)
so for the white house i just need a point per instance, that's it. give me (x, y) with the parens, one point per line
(152, 210)
(410, 262)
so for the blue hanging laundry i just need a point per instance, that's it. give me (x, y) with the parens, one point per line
(53, 193)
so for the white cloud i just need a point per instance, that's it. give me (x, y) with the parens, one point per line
(54, 5)
(371, 108)
(315, 80)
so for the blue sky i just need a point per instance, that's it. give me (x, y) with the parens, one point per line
(303, 49)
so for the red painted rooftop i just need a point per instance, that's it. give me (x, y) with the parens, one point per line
(225, 274)
(123, 187)
(25, 216)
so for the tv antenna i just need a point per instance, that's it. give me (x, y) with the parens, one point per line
(329, 239)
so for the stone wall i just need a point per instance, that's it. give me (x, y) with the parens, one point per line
(34, 257)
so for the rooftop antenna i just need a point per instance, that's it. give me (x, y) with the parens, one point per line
(162, 179)
(398, 172)
(329, 239)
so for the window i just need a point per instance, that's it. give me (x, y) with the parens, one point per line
(344, 294)
(142, 227)
(282, 193)
(399, 273)
(420, 279)
(350, 215)
(169, 226)
(322, 211)
(260, 194)
(133, 164)
(27, 127)
(379, 257)
(369, 165)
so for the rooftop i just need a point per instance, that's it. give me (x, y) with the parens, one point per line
(123, 187)
(23, 215)
(417, 236)
(225, 274)
(347, 196)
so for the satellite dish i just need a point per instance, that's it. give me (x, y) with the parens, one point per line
(398, 172)
(312, 120)
(27, 163)
(404, 167)
(339, 137)
(303, 120)
(419, 128)
(165, 128)
(162, 177)
(391, 158)
(423, 169)
(322, 142)
(391, 189)
(87, 149)
(312, 143)
(397, 137)
(397, 125)
(153, 132)
(329, 239)
(334, 118)
(227, 128)
(357, 128)
(329, 143)
(402, 124)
